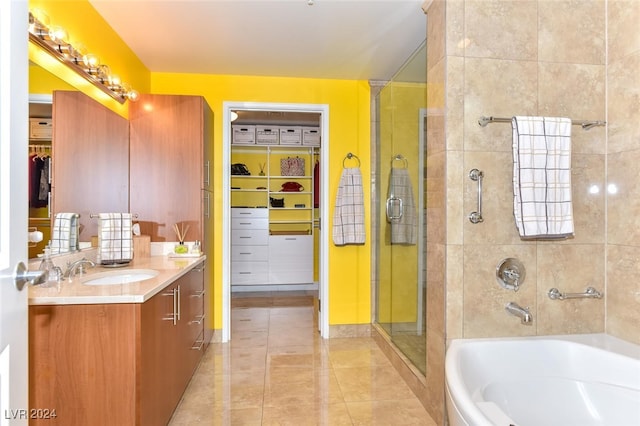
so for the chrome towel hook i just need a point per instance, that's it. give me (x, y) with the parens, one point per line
(477, 175)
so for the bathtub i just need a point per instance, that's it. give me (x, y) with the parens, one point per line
(576, 380)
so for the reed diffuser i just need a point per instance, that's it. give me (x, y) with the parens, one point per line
(181, 233)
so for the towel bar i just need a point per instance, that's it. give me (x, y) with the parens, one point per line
(586, 125)
(95, 215)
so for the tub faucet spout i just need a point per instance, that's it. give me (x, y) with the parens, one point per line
(523, 313)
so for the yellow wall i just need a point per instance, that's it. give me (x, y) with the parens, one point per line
(84, 25)
(349, 121)
(349, 267)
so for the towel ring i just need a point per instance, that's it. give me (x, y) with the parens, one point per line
(400, 157)
(349, 157)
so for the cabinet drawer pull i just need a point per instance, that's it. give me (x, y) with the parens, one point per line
(197, 321)
(198, 345)
(245, 273)
(198, 294)
(291, 239)
(245, 238)
(246, 253)
(246, 223)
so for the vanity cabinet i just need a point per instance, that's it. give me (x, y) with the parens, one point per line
(171, 146)
(120, 363)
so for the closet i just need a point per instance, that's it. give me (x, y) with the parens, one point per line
(39, 166)
(274, 199)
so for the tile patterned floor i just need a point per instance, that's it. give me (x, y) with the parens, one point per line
(278, 371)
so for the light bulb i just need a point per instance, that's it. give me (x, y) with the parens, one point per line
(58, 35)
(90, 60)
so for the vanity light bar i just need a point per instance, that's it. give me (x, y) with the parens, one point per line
(53, 40)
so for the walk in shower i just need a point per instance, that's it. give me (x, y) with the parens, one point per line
(398, 206)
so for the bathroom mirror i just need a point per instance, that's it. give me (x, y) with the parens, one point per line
(89, 147)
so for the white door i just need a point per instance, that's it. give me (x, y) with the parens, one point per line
(14, 119)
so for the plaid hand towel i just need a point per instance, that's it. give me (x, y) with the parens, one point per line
(115, 238)
(542, 203)
(348, 216)
(64, 235)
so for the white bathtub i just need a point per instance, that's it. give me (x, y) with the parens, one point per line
(577, 380)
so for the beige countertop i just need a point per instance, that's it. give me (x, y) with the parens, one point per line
(76, 293)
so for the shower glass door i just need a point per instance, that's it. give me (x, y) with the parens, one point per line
(400, 254)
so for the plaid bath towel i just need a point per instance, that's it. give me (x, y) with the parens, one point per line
(348, 216)
(542, 203)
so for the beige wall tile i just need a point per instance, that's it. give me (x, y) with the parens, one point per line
(571, 31)
(456, 41)
(498, 226)
(455, 292)
(455, 103)
(623, 100)
(501, 88)
(623, 35)
(623, 207)
(570, 269)
(588, 192)
(623, 292)
(487, 22)
(435, 32)
(576, 91)
(485, 299)
(455, 213)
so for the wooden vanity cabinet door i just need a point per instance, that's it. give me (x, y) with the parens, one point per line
(90, 159)
(158, 384)
(166, 164)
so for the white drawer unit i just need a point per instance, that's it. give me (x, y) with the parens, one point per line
(249, 223)
(290, 259)
(248, 212)
(249, 253)
(249, 246)
(249, 237)
(249, 273)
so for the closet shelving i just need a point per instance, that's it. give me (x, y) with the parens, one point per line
(272, 230)
(263, 187)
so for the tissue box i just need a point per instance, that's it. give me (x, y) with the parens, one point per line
(141, 246)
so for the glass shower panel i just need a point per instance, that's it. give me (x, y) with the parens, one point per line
(400, 208)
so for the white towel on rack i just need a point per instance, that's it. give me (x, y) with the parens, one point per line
(401, 209)
(115, 238)
(64, 235)
(348, 216)
(542, 177)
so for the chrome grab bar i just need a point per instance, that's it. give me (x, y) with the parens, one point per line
(477, 175)
(589, 293)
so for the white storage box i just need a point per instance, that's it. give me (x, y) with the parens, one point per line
(40, 128)
(267, 135)
(290, 135)
(311, 136)
(243, 135)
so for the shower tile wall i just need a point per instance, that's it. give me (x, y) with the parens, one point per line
(552, 63)
(623, 160)
(506, 58)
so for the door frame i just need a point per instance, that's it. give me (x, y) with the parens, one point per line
(323, 287)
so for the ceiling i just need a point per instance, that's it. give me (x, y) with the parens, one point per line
(333, 39)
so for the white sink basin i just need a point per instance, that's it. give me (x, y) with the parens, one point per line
(120, 277)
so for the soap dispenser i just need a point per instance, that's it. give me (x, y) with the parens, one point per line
(52, 273)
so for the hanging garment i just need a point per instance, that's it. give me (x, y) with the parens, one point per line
(115, 238)
(401, 208)
(542, 203)
(348, 216)
(36, 166)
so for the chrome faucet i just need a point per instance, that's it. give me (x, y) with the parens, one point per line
(77, 267)
(523, 313)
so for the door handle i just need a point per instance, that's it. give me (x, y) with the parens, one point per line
(23, 276)
(391, 203)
